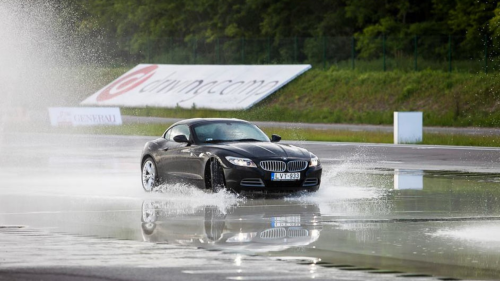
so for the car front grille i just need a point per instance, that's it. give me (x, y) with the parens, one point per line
(280, 166)
(281, 232)
(273, 233)
(297, 166)
(273, 166)
(298, 232)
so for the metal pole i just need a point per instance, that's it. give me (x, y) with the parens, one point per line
(268, 50)
(416, 53)
(149, 49)
(194, 51)
(383, 55)
(129, 51)
(295, 49)
(242, 50)
(324, 52)
(353, 52)
(217, 51)
(485, 53)
(449, 53)
(171, 40)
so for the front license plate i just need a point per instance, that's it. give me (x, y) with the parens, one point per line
(285, 221)
(285, 176)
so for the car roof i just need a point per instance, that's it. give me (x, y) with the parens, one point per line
(193, 121)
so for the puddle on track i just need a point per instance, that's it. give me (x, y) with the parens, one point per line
(443, 223)
(439, 223)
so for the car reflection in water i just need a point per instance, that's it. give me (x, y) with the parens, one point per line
(260, 226)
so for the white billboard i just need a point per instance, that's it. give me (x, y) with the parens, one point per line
(84, 116)
(224, 87)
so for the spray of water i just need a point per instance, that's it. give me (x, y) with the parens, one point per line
(487, 234)
(347, 189)
(45, 61)
(183, 199)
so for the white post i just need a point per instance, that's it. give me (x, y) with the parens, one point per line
(408, 127)
(408, 179)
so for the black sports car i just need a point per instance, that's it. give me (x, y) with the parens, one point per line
(251, 226)
(228, 154)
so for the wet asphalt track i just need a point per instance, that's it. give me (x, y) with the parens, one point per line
(72, 208)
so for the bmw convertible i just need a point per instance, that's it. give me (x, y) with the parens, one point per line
(229, 154)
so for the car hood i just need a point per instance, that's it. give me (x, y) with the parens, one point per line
(266, 150)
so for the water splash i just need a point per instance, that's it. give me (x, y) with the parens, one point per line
(488, 234)
(347, 189)
(185, 199)
(45, 61)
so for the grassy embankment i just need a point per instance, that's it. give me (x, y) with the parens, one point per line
(343, 96)
(296, 134)
(456, 99)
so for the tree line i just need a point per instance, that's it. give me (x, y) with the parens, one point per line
(141, 22)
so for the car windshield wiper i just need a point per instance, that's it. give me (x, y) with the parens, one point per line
(216, 141)
(238, 140)
(247, 140)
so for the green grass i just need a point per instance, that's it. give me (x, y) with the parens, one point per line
(345, 96)
(353, 97)
(407, 64)
(299, 134)
(380, 137)
(462, 140)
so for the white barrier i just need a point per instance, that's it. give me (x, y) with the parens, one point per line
(225, 87)
(84, 116)
(408, 179)
(408, 127)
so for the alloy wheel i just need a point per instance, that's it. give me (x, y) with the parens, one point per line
(149, 175)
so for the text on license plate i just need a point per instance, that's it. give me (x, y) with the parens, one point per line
(288, 221)
(285, 176)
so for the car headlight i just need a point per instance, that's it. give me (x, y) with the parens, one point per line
(242, 237)
(245, 162)
(314, 161)
(314, 234)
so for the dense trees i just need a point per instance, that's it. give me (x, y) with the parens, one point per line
(144, 21)
(286, 18)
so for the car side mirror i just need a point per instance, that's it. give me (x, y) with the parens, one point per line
(181, 138)
(275, 138)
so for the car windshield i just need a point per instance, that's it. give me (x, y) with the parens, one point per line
(228, 131)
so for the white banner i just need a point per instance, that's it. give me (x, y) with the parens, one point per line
(225, 87)
(84, 116)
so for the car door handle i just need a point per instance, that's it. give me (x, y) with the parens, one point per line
(165, 149)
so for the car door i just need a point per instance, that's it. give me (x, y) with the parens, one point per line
(176, 160)
(167, 152)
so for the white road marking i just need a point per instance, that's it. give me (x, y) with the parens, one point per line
(414, 146)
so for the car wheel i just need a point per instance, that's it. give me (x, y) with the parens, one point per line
(217, 176)
(149, 213)
(214, 223)
(149, 175)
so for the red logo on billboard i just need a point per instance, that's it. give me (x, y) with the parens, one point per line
(127, 83)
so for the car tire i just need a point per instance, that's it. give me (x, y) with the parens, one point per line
(149, 217)
(214, 223)
(149, 175)
(149, 212)
(217, 176)
(314, 189)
